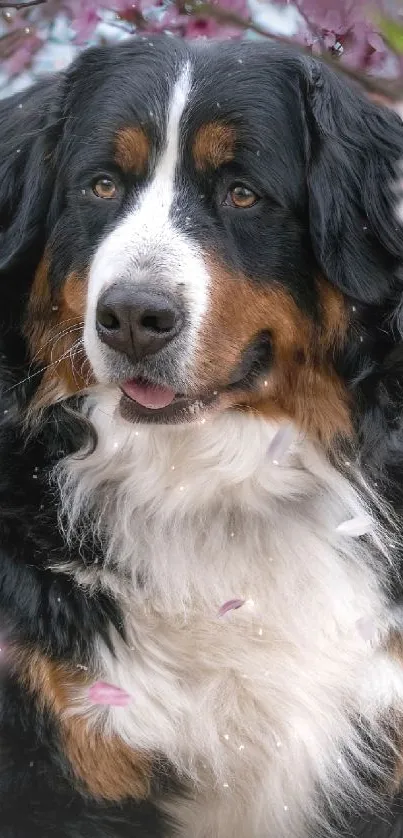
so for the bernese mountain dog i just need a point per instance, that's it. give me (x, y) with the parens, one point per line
(201, 449)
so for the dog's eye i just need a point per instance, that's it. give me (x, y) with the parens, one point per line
(241, 197)
(104, 187)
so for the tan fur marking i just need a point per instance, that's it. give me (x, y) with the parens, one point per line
(214, 145)
(302, 384)
(39, 305)
(394, 645)
(54, 329)
(132, 150)
(105, 765)
(74, 296)
(333, 314)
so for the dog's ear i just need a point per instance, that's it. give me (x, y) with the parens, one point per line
(28, 127)
(354, 148)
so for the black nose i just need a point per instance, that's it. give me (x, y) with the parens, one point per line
(137, 322)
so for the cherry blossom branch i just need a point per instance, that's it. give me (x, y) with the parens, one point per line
(391, 89)
(190, 18)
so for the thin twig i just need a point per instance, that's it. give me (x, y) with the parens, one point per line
(6, 4)
(10, 42)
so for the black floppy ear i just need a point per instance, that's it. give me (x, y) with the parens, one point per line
(28, 123)
(354, 148)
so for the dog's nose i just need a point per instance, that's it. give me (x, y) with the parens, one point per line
(136, 321)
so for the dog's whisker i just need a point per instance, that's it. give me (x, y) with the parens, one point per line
(72, 355)
(42, 369)
(39, 372)
(53, 339)
(56, 332)
(60, 337)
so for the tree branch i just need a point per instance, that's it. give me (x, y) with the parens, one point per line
(25, 4)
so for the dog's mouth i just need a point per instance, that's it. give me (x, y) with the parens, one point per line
(145, 401)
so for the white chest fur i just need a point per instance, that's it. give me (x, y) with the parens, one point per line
(254, 708)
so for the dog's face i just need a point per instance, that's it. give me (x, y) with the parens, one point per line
(208, 215)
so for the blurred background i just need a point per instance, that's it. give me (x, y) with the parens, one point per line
(363, 38)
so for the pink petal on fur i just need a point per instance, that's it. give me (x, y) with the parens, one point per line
(354, 527)
(367, 629)
(280, 443)
(103, 693)
(230, 605)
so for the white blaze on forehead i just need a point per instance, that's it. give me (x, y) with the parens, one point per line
(148, 246)
(158, 197)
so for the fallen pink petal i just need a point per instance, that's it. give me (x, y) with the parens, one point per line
(231, 605)
(109, 695)
(354, 527)
(280, 443)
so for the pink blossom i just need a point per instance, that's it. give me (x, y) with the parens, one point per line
(84, 18)
(190, 25)
(346, 27)
(131, 10)
(199, 27)
(209, 27)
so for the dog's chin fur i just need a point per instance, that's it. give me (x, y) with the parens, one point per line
(272, 716)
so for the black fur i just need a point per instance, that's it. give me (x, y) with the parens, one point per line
(323, 160)
(38, 797)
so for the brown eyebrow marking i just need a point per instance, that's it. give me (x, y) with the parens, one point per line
(214, 145)
(132, 150)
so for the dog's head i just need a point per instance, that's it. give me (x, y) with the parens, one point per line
(199, 227)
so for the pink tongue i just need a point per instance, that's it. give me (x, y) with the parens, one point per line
(148, 395)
